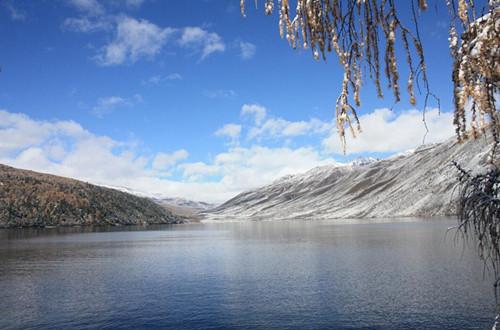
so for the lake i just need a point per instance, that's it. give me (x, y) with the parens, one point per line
(399, 274)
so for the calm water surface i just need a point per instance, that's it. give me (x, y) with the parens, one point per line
(303, 275)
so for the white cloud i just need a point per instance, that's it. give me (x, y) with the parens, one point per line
(97, 7)
(123, 4)
(134, 3)
(241, 168)
(65, 148)
(279, 128)
(220, 93)
(18, 131)
(198, 170)
(154, 80)
(232, 131)
(106, 105)
(247, 49)
(90, 7)
(255, 110)
(174, 76)
(386, 131)
(157, 79)
(134, 39)
(203, 41)
(86, 24)
(163, 161)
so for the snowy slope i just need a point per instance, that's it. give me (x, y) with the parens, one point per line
(165, 201)
(185, 203)
(417, 183)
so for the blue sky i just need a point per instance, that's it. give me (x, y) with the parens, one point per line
(187, 98)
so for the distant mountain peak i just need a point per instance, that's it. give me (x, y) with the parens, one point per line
(162, 199)
(363, 161)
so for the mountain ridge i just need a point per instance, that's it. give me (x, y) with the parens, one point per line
(414, 183)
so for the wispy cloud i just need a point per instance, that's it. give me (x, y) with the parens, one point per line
(102, 7)
(198, 171)
(133, 40)
(87, 25)
(247, 50)
(275, 128)
(232, 131)
(163, 162)
(243, 168)
(15, 13)
(134, 3)
(257, 111)
(220, 93)
(202, 41)
(157, 79)
(106, 105)
(174, 76)
(386, 131)
(89, 7)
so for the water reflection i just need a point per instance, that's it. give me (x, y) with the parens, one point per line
(259, 274)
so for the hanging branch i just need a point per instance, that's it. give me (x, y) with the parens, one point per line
(361, 31)
(479, 212)
(476, 69)
(355, 31)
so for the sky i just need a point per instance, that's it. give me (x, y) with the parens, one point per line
(188, 98)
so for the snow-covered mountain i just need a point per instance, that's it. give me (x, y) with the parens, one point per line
(182, 202)
(416, 183)
(161, 199)
(186, 209)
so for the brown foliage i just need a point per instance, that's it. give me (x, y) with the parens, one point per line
(33, 199)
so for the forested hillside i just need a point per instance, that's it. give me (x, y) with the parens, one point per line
(30, 199)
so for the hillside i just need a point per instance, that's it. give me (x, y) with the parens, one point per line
(30, 199)
(417, 183)
(184, 208)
